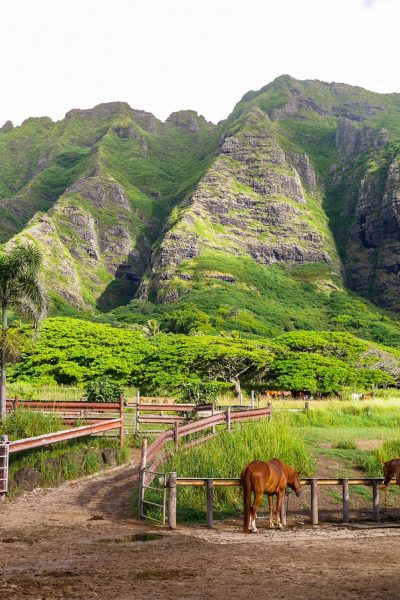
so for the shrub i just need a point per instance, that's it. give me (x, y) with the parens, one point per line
(202, 392)
(103, 390)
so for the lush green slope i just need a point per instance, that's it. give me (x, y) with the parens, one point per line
(263, 222)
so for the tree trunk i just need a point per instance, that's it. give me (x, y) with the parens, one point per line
(3, 396)
(236, 383)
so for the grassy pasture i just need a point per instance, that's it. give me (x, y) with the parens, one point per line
(341, 436)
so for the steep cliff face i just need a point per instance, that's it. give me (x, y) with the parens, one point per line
(372, 257)
(251, 203)
(96, 199)
(94, 253)
(300, 184)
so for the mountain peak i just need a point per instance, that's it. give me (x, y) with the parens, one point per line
(189, 120)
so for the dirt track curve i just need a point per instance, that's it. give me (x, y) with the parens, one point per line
(51, 547)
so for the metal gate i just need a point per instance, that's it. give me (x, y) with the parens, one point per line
(157, 483)
(4, 453)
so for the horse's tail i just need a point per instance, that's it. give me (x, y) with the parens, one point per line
(246, 485)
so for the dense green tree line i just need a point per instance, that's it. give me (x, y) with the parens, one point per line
(72, 351)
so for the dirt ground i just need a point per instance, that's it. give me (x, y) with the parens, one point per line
(70, 542)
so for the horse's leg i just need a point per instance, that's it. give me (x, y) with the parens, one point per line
(271, 510)
(254, 509)
(279, 500)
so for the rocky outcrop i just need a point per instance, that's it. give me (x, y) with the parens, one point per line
(355, 140)
(303, 166)
(373, 254)
(28, 478)
(8, 125)
(89, 240)
(250, 202)
(188, 120)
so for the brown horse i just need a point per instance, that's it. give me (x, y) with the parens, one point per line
(391, 468)
(269, 478)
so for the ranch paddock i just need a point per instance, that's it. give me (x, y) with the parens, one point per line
(74, 542)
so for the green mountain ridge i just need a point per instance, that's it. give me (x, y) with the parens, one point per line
(284, 216)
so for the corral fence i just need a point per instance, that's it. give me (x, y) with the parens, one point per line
(150, 410)
(4, 458)
(172, 482)
(88, 411)
(71, 411)
(153, 455)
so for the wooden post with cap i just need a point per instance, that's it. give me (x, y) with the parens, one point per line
(172, 501)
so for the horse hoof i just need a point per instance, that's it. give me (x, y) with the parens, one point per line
(271, 526)
(280, 526)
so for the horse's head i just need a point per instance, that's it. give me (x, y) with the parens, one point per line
(295, 484)
(388, 471)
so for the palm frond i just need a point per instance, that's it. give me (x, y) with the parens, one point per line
(14, 343)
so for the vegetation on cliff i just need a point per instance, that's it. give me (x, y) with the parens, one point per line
(283, 217)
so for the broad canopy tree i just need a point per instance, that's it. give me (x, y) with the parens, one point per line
(21, 292)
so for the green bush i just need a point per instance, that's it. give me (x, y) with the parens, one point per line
(202, 392)
(103, 390)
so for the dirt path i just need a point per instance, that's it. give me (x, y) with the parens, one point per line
(51, 549)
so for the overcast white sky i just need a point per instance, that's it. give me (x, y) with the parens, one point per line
(166, 55)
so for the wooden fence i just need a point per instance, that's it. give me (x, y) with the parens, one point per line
(71, 411)
(153, 455)
(99, 426)
(172, 482)
(144, 413)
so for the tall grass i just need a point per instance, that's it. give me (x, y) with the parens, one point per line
(372, 461)
(58, 393)
(336, 414)
(226, 456)
(25, 423)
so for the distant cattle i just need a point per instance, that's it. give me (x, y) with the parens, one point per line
(277, 394)
(357, 396)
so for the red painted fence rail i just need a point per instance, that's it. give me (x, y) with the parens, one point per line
(65, 434)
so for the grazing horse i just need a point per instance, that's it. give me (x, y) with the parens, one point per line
(269, 478)
(391, 468)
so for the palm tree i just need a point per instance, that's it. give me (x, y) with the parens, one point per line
(151, 328)
(21, 292)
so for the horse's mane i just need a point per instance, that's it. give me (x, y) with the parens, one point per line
(290, 471)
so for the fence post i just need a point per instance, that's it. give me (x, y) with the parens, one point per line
(346, 500)
(142, 476)
(4, 451)
(314, 501)
(240, 398)
(137, 412)
(283, 510)
(252, 399)
(172, 501)
(176, 434)
(228, 418)
(121, 416)
(210, 505)
(306, 405)
(212, 414)
(375, 500)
